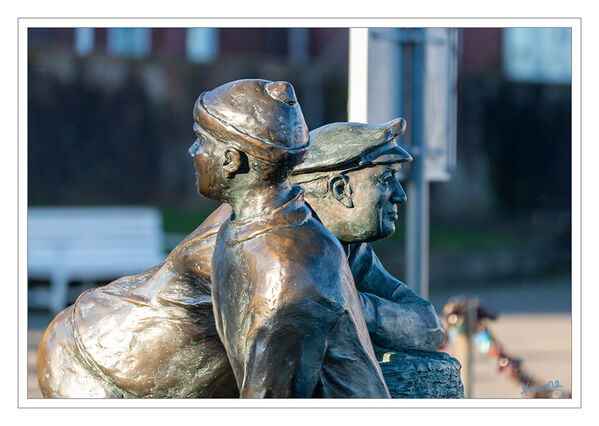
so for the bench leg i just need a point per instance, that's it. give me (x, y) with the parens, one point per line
(58, 292)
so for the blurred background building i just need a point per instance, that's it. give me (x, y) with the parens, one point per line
(109, 123)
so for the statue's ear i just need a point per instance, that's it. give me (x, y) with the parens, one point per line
(231, 162)
(342, 190)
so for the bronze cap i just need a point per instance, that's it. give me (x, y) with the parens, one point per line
(260, 117)
(338, 146)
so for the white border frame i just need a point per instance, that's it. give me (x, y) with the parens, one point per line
(574, 23)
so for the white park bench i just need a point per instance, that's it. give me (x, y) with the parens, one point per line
(88, 244)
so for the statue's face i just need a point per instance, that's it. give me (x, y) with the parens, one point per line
(367, 209)
(376, 194)
(207, 156)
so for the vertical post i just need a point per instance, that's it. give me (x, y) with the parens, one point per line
(357, 109)
(417, 231)
(463, 344)
(463, 352)
(412, 78)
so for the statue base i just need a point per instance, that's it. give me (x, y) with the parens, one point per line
(421, 374)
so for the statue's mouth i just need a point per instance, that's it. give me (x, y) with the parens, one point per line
(392, 214)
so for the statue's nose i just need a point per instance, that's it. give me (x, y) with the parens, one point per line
(398, 196)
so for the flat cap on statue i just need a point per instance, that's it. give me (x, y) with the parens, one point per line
(261, 117)
(339, 146)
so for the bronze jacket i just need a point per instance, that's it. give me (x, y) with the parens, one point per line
(153, 334)
(397, 318)
(287, 310)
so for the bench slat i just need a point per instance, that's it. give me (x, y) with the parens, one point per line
(90, 243)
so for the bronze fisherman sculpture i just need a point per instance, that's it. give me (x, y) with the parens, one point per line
(285, 304)
(153, 334)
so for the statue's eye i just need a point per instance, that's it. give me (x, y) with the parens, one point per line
(385, 177)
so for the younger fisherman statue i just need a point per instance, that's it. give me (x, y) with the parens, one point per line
(285, 303)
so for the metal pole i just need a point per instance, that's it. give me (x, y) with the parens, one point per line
(463, 345)
(417, 232)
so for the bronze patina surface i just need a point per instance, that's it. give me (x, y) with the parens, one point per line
(350, 179)
(285, 304)
(153, 334)
(150, 335)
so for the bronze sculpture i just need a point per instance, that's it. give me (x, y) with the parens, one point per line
(351, 184)
(285, 304)
(153, 335)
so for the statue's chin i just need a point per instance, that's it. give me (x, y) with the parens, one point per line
(364, 237)
(388, 232)
(379, 234)
(353, 230)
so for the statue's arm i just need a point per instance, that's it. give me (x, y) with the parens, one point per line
(395, 326)
(395, 315)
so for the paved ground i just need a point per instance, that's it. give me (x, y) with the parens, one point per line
(534, 325)
(542, 341)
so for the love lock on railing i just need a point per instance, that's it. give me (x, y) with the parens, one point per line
(466, 326)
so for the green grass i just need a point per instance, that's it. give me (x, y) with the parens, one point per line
(184, 221)
(465, 239)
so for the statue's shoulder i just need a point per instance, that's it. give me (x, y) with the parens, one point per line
(204, 236)
(311, 263)
(309, 244)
